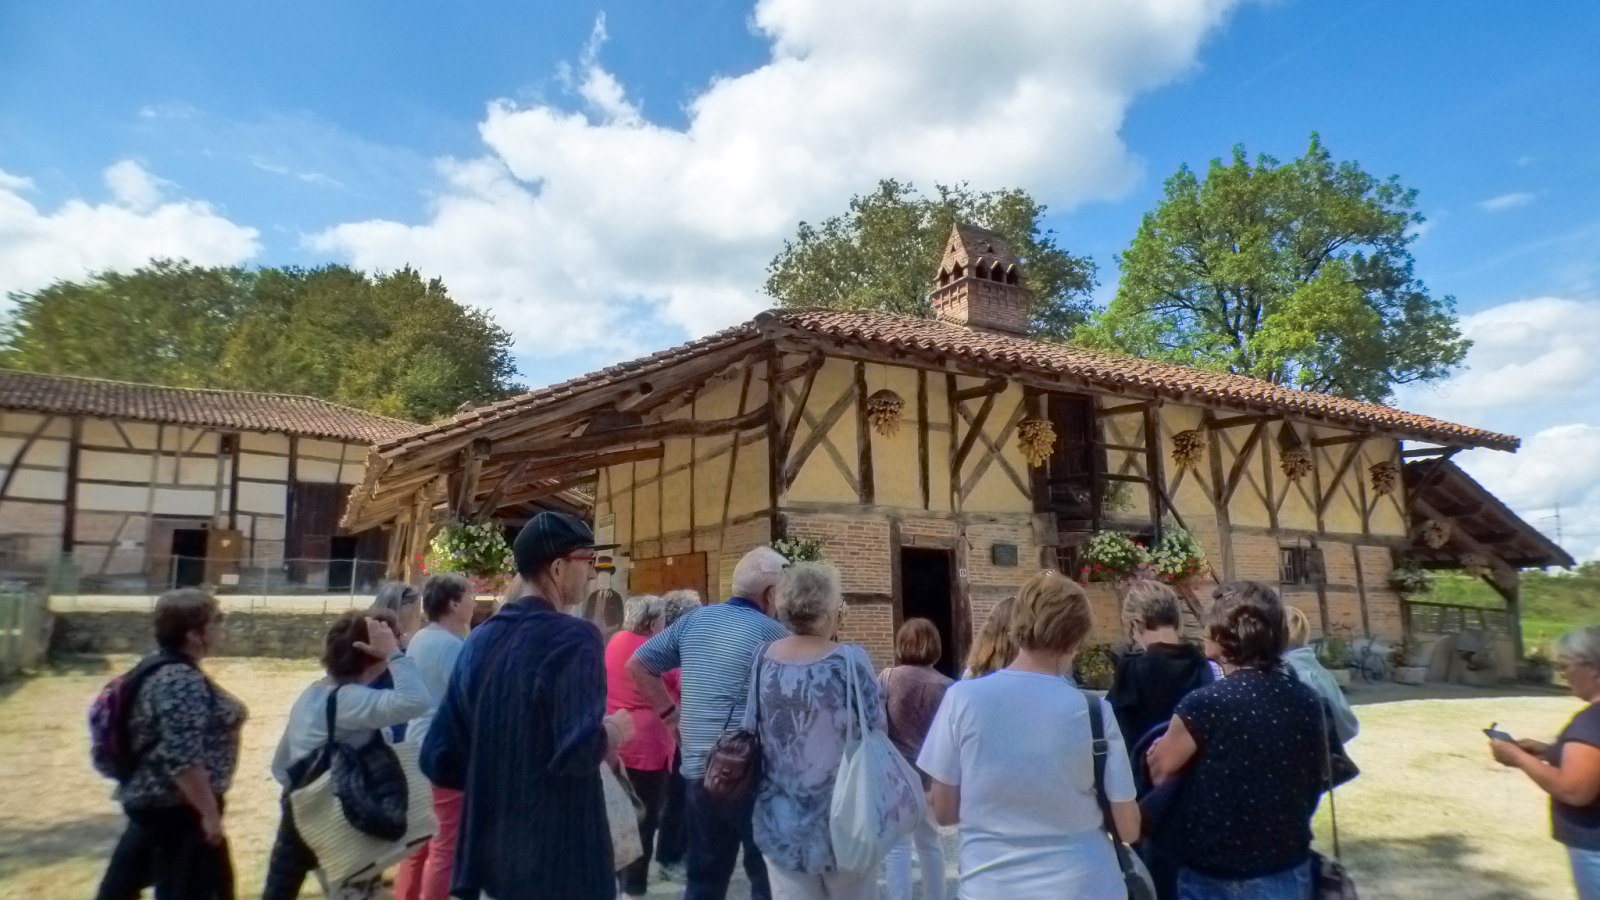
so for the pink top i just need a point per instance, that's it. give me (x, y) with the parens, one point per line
(650, 748)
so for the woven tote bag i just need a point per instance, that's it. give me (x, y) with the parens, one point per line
(345, 854)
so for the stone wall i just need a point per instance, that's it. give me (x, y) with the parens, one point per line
(284, 635)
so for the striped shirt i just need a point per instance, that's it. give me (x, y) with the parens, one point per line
(715, 646)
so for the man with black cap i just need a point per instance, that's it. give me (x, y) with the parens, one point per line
(522, 731)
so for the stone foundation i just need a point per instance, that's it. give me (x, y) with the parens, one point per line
(282, 635)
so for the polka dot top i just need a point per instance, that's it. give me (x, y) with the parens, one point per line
(1245, 806)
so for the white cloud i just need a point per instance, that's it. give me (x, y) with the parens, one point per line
(1532, 371)
(581, 230)
(1507, 201)
(37, 247)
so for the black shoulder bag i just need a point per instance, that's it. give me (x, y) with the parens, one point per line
(367, 780)
(1134, 874)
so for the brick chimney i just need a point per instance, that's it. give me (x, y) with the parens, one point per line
(980, 284)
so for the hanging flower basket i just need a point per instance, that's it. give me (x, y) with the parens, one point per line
(1295, 462)
(1188, 448)
(800, 549)
(471, 548)
(883, 411)
(1113, 556)
(1037, 438)
(1385, 477)
(1409, 578)
(1435, 534)
(1178, 557)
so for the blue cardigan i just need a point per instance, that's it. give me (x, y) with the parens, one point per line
(519, 731)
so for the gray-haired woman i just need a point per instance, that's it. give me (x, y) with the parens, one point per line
(1569, 769)
(799, 705)
(647, 756)
(406, 603)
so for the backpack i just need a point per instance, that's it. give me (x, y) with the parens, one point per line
(111, 747)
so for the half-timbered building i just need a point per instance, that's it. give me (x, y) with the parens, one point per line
(898, 442)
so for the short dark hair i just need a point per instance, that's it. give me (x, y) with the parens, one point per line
(440, 592)
(917, 643)
(340, 656)
(180, 612)
(1246, 620)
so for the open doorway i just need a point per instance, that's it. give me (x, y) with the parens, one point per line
(188, 557)
(926, 593)
(342, 562)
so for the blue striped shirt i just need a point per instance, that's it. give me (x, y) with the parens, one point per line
(714, 646)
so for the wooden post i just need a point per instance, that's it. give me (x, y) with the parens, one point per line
(922, 436)
(1219, 497)
(775, 446)
(1153, 471)
(897, 611)
(69, 513)
(863, 439)
(1513, 595)
(1361, 591)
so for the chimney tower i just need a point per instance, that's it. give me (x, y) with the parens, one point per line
(980, 284)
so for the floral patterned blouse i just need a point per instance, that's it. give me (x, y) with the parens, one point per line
(804, 714)
(181, 718)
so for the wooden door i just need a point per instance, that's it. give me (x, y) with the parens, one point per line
(669, 573)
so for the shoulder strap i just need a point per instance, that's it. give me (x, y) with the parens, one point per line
(1102, 748)
(1327, 774)
(333, 714)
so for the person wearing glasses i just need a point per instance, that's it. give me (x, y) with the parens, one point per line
(1569, 769)
(522, 731)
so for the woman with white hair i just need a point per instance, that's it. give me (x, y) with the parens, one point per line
(1569, 769)
(799, 706)
(405, 603)
(647, 756)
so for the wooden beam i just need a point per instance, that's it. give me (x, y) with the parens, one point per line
(1424, 452)
(813, 365)
(1357, 438)
(69, 512)
(1219, 495)
(461, 504)
(1236, 474)
(16, 460)
(545, 490)
(777, 451)
(1350, 455)
(987, 389)
(1153, 469)
(972, 437)
(1237, 421)
(922, 437)
(819, 433)
(639, 434)
(1141, 406)
(511, 477)
(864, 491)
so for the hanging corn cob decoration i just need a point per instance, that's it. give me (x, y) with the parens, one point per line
(1435, 534)
(1296, 463)
(1385, 478)
(1188, 448)
(1037, 439)
(883, 411)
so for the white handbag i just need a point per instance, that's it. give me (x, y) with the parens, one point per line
(623, 818)
(877, 796)
(345, 854)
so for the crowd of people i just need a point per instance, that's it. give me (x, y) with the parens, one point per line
(1208, 756)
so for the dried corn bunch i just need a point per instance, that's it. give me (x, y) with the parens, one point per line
(1295, 462)
(1385, 477)
(883, 410)
(1037, 438)
(1477, 564)
(1188, 447)
(1435, 534)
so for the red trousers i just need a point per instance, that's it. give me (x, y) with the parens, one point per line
(425, 875)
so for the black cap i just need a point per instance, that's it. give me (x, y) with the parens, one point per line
(547, 536)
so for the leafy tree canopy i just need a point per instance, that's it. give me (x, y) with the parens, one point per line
(391, 344)
(1299, 274)
(883, 254)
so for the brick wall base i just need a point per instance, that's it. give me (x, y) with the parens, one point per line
(282, 635)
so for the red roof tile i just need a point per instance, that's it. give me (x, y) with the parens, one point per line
(929, 338)
(194, 407)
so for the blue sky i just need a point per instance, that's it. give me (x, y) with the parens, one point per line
(609, 178)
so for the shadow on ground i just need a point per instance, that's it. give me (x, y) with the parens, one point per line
(1388, 692)
(1417, 868)
(32, 848)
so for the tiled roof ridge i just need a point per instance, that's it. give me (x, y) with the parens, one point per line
(1030, 352)
(149, 385)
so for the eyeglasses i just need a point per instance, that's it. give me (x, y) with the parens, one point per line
(589, 559)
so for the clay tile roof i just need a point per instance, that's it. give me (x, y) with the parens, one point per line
(1001, 353)
(194, 407)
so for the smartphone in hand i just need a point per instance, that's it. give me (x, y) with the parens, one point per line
(1495, 734)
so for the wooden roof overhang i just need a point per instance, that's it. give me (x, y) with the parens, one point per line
(1478, 523)
(549, 441)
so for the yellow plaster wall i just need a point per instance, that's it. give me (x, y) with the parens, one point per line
(896, 468)
(821, 479)
(995, 492)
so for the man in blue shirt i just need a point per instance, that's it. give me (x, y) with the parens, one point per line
(522, 731)
(715, 647)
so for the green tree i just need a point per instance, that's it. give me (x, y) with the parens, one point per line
(883, 254)
(1299, 274)
(393, 344)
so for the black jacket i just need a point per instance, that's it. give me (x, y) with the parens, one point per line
(1150, 683)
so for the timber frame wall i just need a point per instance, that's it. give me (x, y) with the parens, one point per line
(806, 462)
(108, 492)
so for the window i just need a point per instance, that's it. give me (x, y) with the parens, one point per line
(1300, 565)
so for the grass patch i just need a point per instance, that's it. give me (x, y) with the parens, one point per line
(1551, 604)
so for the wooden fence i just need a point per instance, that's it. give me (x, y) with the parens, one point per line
(1448, 618)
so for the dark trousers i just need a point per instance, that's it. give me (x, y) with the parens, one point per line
(291, 860)
(163, 846)
(651, 787)
(716, 832)
(672, 835)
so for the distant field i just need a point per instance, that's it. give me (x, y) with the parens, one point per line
(1551, 604)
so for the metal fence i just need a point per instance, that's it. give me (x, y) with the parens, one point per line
(23, 639)
(1449, 618)
(280, 585)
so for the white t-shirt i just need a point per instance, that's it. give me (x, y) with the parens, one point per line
(1018, 744)
(435, 649)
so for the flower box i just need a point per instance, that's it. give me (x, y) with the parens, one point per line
(1409, 674)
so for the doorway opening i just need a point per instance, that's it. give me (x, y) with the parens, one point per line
(188, 557)
(925, 592)
(342, 562)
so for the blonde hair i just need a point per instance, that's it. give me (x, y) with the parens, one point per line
(1298, 626)
(1052, 614)
(994, 648)
(1151, 605)
(807, 596)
